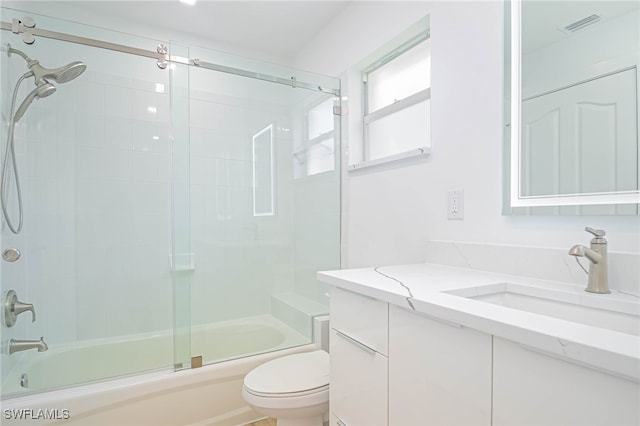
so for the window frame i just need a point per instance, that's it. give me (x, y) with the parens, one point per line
(369, 117)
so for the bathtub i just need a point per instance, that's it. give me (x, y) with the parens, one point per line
(210, 395)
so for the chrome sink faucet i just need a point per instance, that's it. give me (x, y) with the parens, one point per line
(23, 345)
(598, 262)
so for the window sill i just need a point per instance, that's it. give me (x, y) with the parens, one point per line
(418, 152)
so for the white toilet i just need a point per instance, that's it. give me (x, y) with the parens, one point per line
(294, 389)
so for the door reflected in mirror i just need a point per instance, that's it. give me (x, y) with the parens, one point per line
(574, 104)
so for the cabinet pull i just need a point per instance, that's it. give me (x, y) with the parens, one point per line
(436, 319)
(340, 422)
(633, 376)
(355, 342)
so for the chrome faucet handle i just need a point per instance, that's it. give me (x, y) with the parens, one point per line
(20, 307)
(12, 307)
(596, 232)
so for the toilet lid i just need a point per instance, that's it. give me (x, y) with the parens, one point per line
(290, 374)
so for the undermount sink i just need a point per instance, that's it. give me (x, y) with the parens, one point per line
(620, 314)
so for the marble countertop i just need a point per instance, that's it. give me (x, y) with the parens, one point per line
(427, 290)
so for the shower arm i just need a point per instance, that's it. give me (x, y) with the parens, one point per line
(20, 53)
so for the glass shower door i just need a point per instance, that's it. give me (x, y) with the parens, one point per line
(264, 204)
(94, 160)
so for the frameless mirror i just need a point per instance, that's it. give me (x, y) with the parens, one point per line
(571, 73)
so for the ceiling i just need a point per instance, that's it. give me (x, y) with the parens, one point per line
(543, 21)
(274, 28)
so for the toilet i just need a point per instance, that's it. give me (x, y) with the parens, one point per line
(294, 389)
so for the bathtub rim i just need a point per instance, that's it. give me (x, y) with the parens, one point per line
(81, 400)
(159, 371)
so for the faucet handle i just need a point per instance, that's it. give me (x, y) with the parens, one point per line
(20, 307)
(596, 232)
(12, 307)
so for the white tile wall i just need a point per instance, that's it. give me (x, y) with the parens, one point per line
(97, 209)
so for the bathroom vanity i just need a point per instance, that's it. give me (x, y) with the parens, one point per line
(430, 344)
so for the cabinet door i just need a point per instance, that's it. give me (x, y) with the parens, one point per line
(358, 395)
(531, 388)
(439, 374)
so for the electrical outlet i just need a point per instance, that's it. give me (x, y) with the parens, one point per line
(455, 205)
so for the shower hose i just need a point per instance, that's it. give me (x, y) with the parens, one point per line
(9, 152)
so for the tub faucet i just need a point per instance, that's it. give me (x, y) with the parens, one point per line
(597, 255)
(23, 345)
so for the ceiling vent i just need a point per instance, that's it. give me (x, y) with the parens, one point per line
(582, 23)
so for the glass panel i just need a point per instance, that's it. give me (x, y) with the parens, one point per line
(256, 292)
(94, 160)
(320, 157)
(405, 75)
(321, 119)
(399, 132)
(183, 261)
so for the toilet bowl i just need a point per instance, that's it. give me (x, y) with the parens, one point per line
(294, 389)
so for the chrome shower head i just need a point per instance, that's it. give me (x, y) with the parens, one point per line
(59, 75)
(43, 90)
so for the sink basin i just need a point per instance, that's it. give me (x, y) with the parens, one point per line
(614, 312)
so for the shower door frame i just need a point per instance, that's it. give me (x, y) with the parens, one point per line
(164, 57)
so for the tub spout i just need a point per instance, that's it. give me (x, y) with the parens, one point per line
(23, 345)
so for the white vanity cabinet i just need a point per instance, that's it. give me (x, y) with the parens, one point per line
(532, 388)
(459, 358)
(392, 366)
(439, 372)
(359, 360)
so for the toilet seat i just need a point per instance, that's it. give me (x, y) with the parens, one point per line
(286, 395)
(290, 376)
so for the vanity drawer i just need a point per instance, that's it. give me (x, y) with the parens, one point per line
(361, 318)
(359, 383)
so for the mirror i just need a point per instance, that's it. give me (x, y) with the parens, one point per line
(572, 86)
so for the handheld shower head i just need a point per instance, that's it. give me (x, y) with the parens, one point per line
(63, 74)
(59, 75)
(43, 90)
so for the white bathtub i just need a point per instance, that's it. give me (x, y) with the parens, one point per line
(210, 395)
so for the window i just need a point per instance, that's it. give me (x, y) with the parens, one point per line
(317, 154)
(397, 102)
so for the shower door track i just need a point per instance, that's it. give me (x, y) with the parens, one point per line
(292, 82)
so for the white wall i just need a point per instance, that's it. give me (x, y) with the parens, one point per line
(392, 210)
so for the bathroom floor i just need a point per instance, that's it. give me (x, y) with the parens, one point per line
(270, 421)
